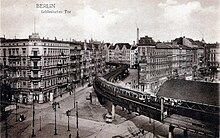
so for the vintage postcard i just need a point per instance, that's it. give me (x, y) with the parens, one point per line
(109, 68)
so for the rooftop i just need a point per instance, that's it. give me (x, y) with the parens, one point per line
(199, 92)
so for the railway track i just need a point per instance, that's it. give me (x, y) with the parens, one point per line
(148, 105)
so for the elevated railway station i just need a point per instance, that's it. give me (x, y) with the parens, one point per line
(176, 106)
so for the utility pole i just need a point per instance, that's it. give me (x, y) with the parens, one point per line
(54, 106)
(154, 130)
(74, 96)
(138, 75)
(77, 122)
(16, 114)
(40, 120)
(68, 115)
(33, 135)
(6, 129)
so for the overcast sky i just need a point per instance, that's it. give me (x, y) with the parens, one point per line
(113, 20)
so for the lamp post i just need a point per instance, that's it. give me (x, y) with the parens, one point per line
(6, 129)
(77, 122)
(33, 135)
(74, 95)
(138, 75)
(16, 113)
(68, 114)
(54, 106)
(40, 120)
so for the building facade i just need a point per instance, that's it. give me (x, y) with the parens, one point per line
(120, 53)
(41, 69)
(159, 62)
(133, 57)
(213, 55)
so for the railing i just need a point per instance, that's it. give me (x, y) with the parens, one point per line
(122, 97)
(35, 57)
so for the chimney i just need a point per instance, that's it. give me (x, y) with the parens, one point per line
(134, 43)
(137, 35)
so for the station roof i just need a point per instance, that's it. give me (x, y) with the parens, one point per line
(194, 91)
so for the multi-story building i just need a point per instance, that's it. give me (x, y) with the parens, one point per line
(161, 61)
(154, 64)
(212, 55)
(106, 51)
(194, 51)
(76, 59)
(41, 69)
(37, 67)
(133, 57)
(120, 53)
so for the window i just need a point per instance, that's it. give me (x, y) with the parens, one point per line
(4, 52)
(24, 73)
(35, 64)
(24, 62)
(9, 51)
(17, 50)
(35, 53)
(24, 51)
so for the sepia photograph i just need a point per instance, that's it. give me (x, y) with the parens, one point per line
(109, 68)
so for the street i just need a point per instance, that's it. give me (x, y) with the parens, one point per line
(91, 122)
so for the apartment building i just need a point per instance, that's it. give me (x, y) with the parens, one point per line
(41, 69)
(133, 57)
(120, 53)
(76, 61)
(213, 54)
(161, 61)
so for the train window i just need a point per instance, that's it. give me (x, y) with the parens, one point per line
(135, 96)
(140, 96)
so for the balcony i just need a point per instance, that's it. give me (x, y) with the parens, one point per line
(14, 58)
(59, 64)
(36, 89)
(35, 57)
(59, 73)
(35, 78)
(36, 68)
(62, 84)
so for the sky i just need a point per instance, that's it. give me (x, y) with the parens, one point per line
(113, 20)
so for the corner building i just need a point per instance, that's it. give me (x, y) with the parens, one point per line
(37, 68)
(159, 62)
(41, 69)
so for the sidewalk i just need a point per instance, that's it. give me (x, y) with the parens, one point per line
(49, 103)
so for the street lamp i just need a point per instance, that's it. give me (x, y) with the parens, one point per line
(54, 106)
(16, 100)
(77, 122)
(40, 120)
(74, 95)
(6, 129)
(68, 115)
(33, 135)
